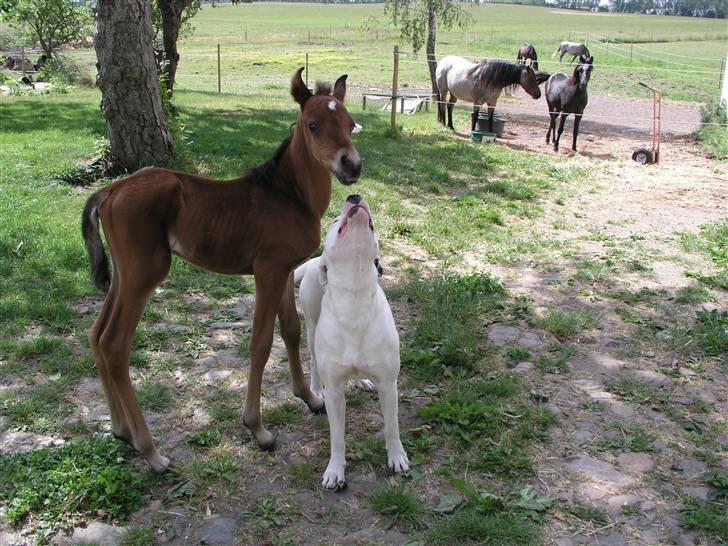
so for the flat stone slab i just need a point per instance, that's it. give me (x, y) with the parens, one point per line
(700, 493)
(620, 501)
(174, 328)
(99, 533)
(654, 378)
(524, 367)
(635, 463)
(531, 340)
(598, 470)
(691, 468)
(218, 530)
(215, 377)
(13, 441)
(501, 334)
(229, 325)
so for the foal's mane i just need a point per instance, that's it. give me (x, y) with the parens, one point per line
(267, 174)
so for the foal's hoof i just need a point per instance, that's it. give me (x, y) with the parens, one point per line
(267, 441)
(317, 405)
(159, 463)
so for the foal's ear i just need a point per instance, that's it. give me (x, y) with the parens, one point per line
(300, 92)
(340, 88)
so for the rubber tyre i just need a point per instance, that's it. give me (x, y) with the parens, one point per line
(643, 156)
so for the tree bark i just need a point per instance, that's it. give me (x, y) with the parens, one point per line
(430, 45)
(171, 22)
(127, 77)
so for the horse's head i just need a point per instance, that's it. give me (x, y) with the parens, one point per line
(529, 82)
(583, 71)
(327, 127)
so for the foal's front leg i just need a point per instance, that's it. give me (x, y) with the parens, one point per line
(577, 120)
(270, 283)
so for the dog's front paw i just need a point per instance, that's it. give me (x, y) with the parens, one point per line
(398, 462)
(365, 385)
(334, 477)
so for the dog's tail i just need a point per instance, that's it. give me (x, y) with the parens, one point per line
(300, 271)
(90, 228)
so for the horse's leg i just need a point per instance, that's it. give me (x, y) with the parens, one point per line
(140, 271)
(491, 111)
(291, 334)
(564, 115)
(119, 424)
(552, 126)
(270, 283)
(563, 52)
(577, 120)
(572, 59)
(476, 111)
(441, 108)
(450, 106)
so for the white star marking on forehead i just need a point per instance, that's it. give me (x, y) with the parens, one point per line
(332, 105)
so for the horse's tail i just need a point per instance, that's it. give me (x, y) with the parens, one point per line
(534, 60)
(90, 228)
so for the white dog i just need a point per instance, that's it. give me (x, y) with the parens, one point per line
(351, 331)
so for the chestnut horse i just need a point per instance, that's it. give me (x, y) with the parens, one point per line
(264, 223)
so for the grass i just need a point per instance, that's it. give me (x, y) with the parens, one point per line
(399, 506)
(627, 438)
(712, 137)
(53, 489)
(565, 323)
(708, 517)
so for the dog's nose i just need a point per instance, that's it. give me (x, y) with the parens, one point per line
(354, 198)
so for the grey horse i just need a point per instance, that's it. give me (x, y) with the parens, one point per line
(572, 48)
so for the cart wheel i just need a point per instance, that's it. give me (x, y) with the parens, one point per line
(642, 156)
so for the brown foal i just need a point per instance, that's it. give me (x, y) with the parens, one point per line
(264, 223)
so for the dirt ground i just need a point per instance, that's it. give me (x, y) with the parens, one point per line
(627, 207)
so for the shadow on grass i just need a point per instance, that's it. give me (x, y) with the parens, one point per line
(20, 116)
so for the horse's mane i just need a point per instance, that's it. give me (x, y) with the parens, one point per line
(267, 173)
(497, 73)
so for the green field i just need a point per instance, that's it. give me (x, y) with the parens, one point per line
(261, 45)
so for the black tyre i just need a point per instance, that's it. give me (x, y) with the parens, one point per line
(642, 156)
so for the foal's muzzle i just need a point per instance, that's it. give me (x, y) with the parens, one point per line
(348, 169)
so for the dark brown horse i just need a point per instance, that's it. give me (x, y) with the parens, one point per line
(567, 95)
(264, 223)
(527, 52)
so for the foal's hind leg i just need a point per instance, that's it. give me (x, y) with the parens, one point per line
(291, 334)
(474, 121)
(141, 273)
(552, 126)
(119, 424)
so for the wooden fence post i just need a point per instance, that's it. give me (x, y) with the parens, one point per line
(219, 86)
(395, 91)
(306, 71)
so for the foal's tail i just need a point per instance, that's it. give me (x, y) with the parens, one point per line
(90, 228)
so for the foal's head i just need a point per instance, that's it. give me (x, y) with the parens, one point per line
(529, 82)
(327, 127)
(583, 71)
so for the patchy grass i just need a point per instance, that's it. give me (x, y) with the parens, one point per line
(567, 323)
(627, 438)
(287, 413)
(710, 517)
(692, 294)
(154, 395)
(555, 359)
(398, 505)
(711, 331)
(54, 489)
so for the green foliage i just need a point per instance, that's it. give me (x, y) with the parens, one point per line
(588, 512)
(287, 413)
(629, 438)
(555, 359)
(205, 438)
(399, 505)
(411, 17)
(567, 323)
(713, 137)
(518, 353)
(692, 294)
(712, 332)
(492, 425)
(444, 334)
(154, 395)
(52, 23)
(59, 487)
(715, 236)
(710, 517)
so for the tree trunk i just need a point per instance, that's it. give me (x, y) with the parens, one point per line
(171, 22)
(127, 77)
(430, 45)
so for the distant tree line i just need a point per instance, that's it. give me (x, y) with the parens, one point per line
(687, 8)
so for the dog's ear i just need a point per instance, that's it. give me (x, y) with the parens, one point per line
(323, 272)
